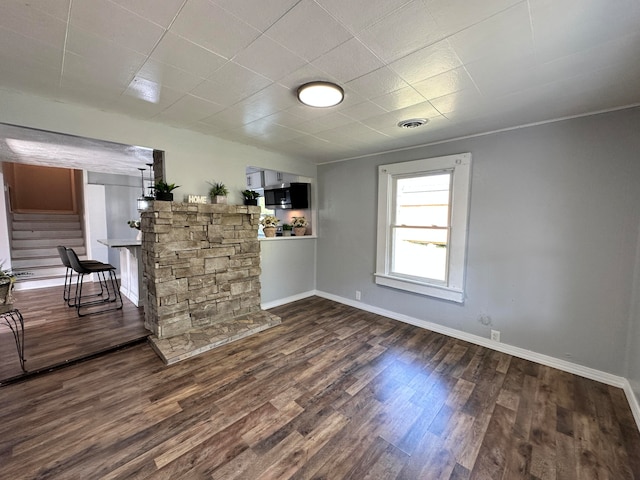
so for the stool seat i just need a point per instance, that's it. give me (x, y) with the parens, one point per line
(110, 285)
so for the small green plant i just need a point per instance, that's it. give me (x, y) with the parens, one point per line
(250, 194)
(286, 227)
(218, 189)
(164, 187)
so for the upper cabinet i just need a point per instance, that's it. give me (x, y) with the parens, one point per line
(269, 178)
(255, 180)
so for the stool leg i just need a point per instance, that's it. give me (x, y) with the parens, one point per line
(15, 322)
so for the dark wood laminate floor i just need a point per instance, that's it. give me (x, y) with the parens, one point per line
(55, 335)
(332, 393)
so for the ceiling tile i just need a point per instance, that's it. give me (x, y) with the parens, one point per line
(110, 21)
(270, 132)
(55, 8)
(33, 23)
(104, 53)
(100, 72)
(456, 15)
(448, 82)
(150, 103)
(376, 83)
(427, 62)
(468, 100)
(308, 31)
(363, 110)
(169, 76)
(305, 74)
(202, 22)
(497, 76)
(405, 97)
(161, 13)
(357, 14)
(30, 51)
(270, 100)
(231, 118)
(286, 119)
(487, 39)
(583, 24)
(360, 61)
(188, 110)
(406, 30)
(185, 55)
(269, 58)
(261, 18)
(231, 83)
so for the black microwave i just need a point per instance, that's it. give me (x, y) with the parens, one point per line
(290, 196)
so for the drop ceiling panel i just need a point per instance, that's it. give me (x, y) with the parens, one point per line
(203, 23)
(231, 68)
(308, 30)
(108, 20)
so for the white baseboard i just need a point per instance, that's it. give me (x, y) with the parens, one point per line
(284, 301)
(580, 370)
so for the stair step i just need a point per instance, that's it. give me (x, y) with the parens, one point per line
(36, 262)
(46, 226)
(47, 242)
(45, 217)
(39, 273)
(24, 253)
(33, 235)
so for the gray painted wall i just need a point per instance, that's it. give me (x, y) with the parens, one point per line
(288, 268)
(552, 246)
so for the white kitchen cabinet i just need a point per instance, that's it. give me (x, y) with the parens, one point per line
(255, 180)
(272, 177)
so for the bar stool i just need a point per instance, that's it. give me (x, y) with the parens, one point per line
(101, 269)
(68, 276)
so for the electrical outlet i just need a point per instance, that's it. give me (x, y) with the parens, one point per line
(495, 335)
(358, 295)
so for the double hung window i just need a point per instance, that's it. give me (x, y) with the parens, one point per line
(422, 225)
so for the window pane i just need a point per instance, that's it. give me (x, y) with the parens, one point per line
(423, 200)
(420, 252)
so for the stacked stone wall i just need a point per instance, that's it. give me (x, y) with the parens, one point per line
(201, 265)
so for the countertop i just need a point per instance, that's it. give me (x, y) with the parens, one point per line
(120, 242)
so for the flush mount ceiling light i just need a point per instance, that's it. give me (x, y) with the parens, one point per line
(320, 94)
(413, 123)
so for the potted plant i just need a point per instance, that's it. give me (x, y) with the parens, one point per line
(250, 197)
(135, 224)
(286, 230)
(163, 190)
(7, 278)
(299, 225)
(269, 224)
(218, 192)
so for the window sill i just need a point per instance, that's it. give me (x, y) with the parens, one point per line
(428, 289)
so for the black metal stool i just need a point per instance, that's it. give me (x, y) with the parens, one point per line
(13, 319)
(68, 276)
(110, 285)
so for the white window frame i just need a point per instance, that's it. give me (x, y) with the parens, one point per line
(453, 288)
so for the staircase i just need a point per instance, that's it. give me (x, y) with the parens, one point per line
(34, 238)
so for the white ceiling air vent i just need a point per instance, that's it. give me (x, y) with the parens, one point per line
(413, 123)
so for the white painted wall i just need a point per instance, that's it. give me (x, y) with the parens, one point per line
(191, 158)
(552, 242)
(5, 250)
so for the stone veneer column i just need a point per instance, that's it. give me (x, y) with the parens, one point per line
(201, 265)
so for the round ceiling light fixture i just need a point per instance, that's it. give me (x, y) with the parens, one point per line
(320, 94)
(413, 123)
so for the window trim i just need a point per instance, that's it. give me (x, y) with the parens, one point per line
(460, 164)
